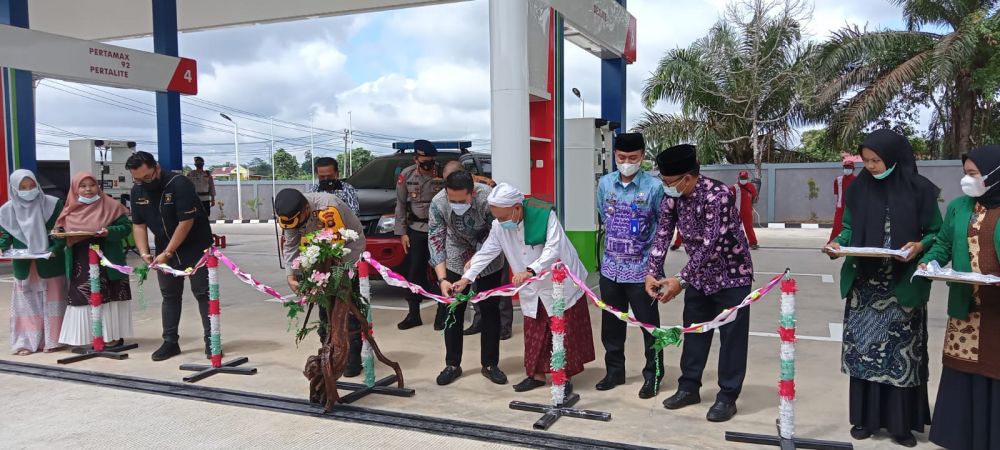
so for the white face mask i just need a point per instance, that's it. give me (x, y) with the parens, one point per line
(28, 195)
(744, 181)
(975, 186)
(460, 208)
(628, 169)
(88, 200)
(671, 191)
(848, 171)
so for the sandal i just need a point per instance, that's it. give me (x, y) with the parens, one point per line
(23, 352)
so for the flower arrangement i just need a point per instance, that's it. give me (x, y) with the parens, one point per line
(323, 279)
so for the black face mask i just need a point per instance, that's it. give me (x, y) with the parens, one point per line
(330, 185)
(153, 185)
(427, 165)
(199, 166)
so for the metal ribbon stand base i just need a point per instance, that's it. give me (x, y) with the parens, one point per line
(215, 337)
(382, 386)
(785, 424)
(562, 404)
(97, 350)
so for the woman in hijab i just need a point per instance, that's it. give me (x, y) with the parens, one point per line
(88, 209)
(39, 299)
(967, 411)
(885, 322)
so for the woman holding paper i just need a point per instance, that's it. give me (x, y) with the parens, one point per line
(967, 411)
(88, 210)
(889, 206)
(39, 298)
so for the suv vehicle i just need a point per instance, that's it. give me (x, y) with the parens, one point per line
(376, 187)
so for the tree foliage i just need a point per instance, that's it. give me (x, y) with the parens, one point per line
(360, 157)
(286, 167)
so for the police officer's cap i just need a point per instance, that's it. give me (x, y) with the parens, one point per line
(425, 148)
(288, 206)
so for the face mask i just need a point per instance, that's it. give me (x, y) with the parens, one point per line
(627, 169)
(330, 185)
(89, 200)
(671, 191)
(28, 195)
(508, 225)
(973, 186)
(848, 171)
(744, 181)
(427, 165)
(199, 166)
(885, 174)
(152, 185)
(460, 208)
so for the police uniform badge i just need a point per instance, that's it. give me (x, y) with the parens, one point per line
(168, 197)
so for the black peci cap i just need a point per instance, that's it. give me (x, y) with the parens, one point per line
(630, 142)
(677, 160)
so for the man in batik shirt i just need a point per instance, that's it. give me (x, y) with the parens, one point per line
(718, 275)
(627, 202)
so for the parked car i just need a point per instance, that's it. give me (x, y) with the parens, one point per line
(376, 187)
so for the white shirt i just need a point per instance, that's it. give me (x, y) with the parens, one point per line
(537, 257)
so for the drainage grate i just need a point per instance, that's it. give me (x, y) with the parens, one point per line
(347, 413)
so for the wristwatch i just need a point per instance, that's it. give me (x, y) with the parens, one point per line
(684, 283)
(531, 271)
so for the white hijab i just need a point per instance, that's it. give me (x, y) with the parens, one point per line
(26, 220)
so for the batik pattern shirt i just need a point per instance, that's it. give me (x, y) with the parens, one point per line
(629, 214)
(453, 238)
(709, 225)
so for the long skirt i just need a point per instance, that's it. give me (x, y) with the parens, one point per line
(899, 410)
(36, 312)
(579, 340)
(967, 412)
(116, 309)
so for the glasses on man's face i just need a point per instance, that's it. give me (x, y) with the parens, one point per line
(672, 183)
(146, 178)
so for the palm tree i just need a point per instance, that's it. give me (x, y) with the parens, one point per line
(867, 70)
(739, 88)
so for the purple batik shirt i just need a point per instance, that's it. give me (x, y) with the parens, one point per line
(709, 224)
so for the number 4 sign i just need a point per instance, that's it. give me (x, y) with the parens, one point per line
(66, 58)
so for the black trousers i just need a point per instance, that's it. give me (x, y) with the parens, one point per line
(626, 296)
(699, 307)
(208, 208)
(172, 290)
(506, 305)
(489, 337)
(420, 257)
(354, 351)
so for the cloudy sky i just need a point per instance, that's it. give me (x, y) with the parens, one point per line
(392, 79)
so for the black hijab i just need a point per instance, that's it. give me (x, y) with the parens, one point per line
(910, 198)
(987, 160)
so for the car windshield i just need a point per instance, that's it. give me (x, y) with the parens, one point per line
(381, 173)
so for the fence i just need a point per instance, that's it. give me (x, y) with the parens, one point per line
(784, 195)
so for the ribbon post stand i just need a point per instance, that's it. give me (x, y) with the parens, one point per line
(562, 405)
(215, 337)
(370, 386)
(98, 350)
(786, 439)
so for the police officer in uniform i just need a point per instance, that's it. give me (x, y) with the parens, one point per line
(416, 187)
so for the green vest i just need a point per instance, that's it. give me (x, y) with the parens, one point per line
(952, 245)
(112, 246)
(536, 221)
(47, 268)
(909, 293)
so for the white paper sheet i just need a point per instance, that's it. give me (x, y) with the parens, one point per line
(935, 271)
(20, 253)
(886, 252)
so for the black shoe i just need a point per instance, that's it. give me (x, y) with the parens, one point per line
(352, 371)
(610, 381)
(166, 351)
(449, 374)
(721, 411)
(681, 399)
(860, 433)
(649, 389)
(114, 344)
(411, 320)
(906, 441)
(754, 247)
(494, 374)
(674, 247)
(528, 384)
(473, 329)
(505, 334)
